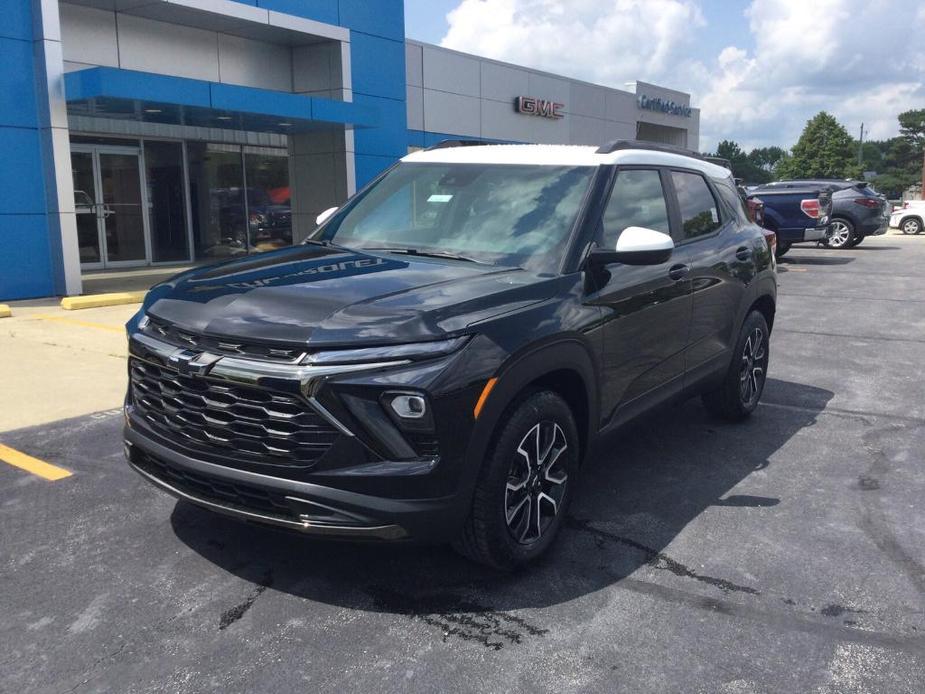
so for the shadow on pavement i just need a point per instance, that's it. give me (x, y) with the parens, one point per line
(638, 492)
(812, 260)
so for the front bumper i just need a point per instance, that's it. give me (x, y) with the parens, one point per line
(193, 419)
(305, 507)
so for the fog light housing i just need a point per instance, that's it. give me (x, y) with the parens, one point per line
(408, 406)
(410, 411)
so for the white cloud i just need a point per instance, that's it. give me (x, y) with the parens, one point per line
(859, 59)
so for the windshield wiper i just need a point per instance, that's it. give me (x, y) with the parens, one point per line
(427, 254)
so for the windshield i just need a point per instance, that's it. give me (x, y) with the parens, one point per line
(508, 215)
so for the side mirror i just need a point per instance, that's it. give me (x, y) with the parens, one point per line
(326, 215)
(637, 246)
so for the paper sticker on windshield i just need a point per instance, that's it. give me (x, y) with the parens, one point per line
(439, 198)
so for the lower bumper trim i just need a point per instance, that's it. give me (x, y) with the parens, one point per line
(816, 234)
(381, 532)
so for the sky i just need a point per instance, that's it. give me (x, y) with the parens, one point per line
(757, 69)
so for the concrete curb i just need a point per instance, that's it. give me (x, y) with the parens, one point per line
(5, 311)
(75, 303)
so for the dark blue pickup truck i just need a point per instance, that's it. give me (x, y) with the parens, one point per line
(797, 215)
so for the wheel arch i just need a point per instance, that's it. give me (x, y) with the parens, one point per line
(566, 367)
(765, 305)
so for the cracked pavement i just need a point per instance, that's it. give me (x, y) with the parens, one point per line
(784, 554)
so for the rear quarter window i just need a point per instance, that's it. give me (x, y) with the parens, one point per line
(700, 215)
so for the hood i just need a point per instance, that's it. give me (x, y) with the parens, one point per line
(325, 295)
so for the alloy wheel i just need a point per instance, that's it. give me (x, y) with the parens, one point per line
(536, 483)
(911, 226)
(754, 366)
(840, 235)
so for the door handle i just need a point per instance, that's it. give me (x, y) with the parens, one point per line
(744, 253)
(679, 272)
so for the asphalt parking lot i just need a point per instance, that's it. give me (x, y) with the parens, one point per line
(785, 554)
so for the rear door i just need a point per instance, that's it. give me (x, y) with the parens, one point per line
(722, 264)
(647, 308)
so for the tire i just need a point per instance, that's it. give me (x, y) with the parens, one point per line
(519, 505)
(738, 395)
(911, 226)
(856, 241)
(842, 234)
(782, 249)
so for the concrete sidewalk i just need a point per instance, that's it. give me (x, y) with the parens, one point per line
(57, 364)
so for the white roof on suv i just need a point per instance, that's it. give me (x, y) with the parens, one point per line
(561, 155)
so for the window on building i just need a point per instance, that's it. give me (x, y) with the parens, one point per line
(241, 199)
(269, 210)
(166, 201)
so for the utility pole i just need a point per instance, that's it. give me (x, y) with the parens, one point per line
(861, 148)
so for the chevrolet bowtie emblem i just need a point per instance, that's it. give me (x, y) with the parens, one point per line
(190, 363)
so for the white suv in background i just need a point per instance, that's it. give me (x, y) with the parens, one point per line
(910, 219)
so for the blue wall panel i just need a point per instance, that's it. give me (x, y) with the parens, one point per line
(378, 66)
(26, 267)
(25, 264)
(17, 86)
(369, 166)
(17, 19)
(379, 17)
(22, 181)
(320, 10)
(390, 139)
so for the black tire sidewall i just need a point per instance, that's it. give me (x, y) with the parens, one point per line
(540, 406)
(755, 320)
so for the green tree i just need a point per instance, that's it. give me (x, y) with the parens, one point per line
(742, 165)
(824, 150)
(766, 158)
(912, 129)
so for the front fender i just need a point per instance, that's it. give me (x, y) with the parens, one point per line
(574, 355)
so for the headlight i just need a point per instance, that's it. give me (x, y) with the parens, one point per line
(414, 352)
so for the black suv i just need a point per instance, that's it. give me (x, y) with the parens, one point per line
(434, 363)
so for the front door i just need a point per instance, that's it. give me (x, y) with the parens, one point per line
(108, 200)
(647, 308)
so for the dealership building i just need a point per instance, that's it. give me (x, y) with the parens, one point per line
(171, 132)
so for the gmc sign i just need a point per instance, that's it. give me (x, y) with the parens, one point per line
(538, 107)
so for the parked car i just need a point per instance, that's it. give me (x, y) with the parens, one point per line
(436, 360)
(858, 211)
(910, 218)
(796, 215)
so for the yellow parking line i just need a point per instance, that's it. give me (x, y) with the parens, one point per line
(82, 323)
(34, 465)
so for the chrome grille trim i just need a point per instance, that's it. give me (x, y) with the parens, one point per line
(295, 381)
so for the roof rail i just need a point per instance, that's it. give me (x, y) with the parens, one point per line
(446, 144)
(618, 145)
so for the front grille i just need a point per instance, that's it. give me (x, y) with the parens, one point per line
(236, 422)
(233, 494)
(162, 330)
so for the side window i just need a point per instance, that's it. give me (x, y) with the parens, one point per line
(637, 200)
(699, 210)
(734, 199)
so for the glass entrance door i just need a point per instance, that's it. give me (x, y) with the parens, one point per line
(108, 199)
